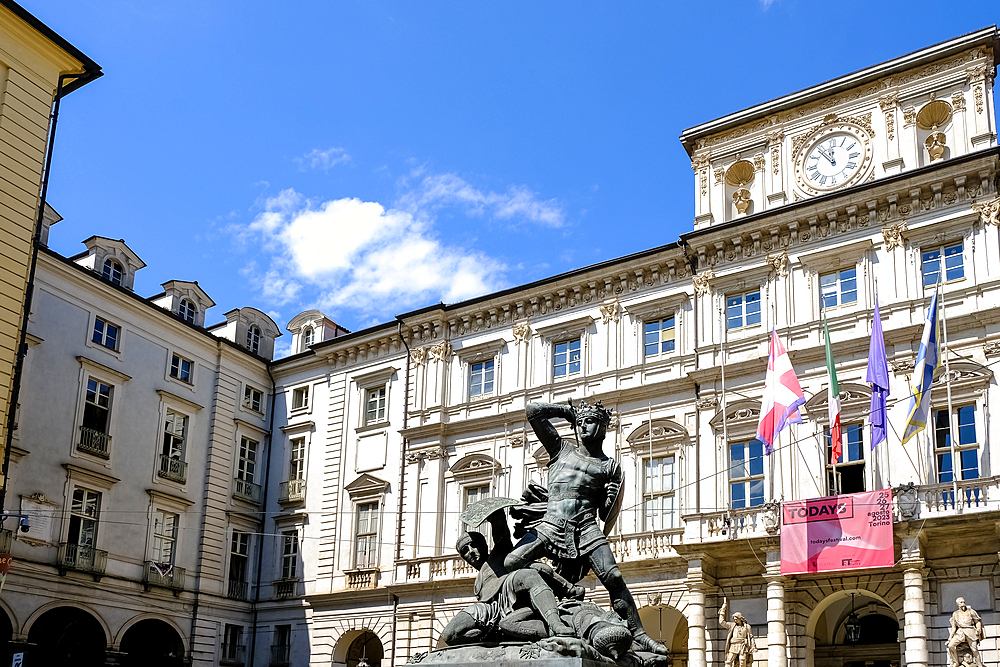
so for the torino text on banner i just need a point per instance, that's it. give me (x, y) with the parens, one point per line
(837, 533)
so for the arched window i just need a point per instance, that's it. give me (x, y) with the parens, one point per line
(112, 271)
(307, 337)
(253, 338)
(187, 310)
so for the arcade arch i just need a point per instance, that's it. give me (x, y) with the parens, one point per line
(152, 642)
(355, 645)
(827, 643)
(67, 635)
(668, 626)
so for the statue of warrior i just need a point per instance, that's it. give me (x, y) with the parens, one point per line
(584, 485)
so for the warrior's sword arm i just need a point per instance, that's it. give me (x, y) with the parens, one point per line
(539, 415)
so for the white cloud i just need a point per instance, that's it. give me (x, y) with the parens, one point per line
(518, 202)
(317, 159)
(766, 3)
(361, 256)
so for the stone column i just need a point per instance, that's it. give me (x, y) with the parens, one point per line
(914, 621)
(777, 639)
(699, 582)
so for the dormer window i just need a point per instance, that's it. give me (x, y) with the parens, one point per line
(112, 271)
(307, 337)
(187, 310)
(253, 338)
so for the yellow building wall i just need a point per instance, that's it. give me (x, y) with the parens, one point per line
(30, 65)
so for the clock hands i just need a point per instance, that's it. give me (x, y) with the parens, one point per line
(827, 156)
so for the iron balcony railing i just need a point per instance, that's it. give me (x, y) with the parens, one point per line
(94, 442)
(280, 655)
(233, 654)
(294, 490)
(172, 469)
(237, 589)
(163, 574)
(83, 558)
(284, 588)
(244, 490)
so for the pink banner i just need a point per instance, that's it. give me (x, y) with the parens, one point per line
(837, 533)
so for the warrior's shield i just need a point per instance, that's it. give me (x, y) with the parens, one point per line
(477, 512)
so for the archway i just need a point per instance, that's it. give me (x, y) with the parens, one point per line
(6, 634)
(365, 651)
(67, 636)
(877, 644)
(152, 643)
(669, 626)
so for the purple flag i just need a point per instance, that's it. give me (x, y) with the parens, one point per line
(878, 376)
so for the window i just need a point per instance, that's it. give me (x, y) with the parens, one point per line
(300, 398)
(659, 483)
(180, 368)
(375, 405)
(253, 338)
(289, 554)
(967, 447)
(112, 271)
(473, 494)
(252, 398)
(247, 461)
(838, 287)
(232, 645)
(239, 560)
(187, 310)
(848, 475)
(746, 474)
(307, 337)
(164, 537)
(481, 379)
(566, 358)
(281, 644)
(94, 431)
(366, 542)
(296, 458)
(743, 310)
(659, 336)
(83, 521)
(106, 334)
(930, 264)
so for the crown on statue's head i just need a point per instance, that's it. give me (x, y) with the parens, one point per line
(584, 409)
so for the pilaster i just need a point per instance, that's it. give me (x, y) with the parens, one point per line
(914, 621)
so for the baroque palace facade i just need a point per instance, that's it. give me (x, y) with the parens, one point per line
(194, 502)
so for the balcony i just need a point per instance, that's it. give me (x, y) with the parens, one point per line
(233, 654)
(83, 558)
(735, 524)
(362, 578)
(164, 575)
(280, 655)
(247, 491)
(649, 544)
(237, 590)
(292, 491)
(94, 442)
(928, 501)
(285, 588)
(173, 469)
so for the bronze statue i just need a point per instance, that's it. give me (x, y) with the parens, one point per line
(966, 629)
(584, 485)
(740, 643)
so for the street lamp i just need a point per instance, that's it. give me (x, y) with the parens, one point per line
(853, 626)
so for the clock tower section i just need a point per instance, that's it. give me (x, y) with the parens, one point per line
(908, 113)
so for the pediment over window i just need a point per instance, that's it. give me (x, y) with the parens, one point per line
(481, 351)
(366, 486)
(565, 330)
(541, 456)
(101, 249)
(474, 466)
(854, 399)
(738, 415)
(663, 433)
(647, 311)
(966, 377)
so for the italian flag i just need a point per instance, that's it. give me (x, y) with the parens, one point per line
(833, 401)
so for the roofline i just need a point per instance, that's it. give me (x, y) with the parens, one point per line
(987, 37)
(687, 237)
(91, 70)
(148, 302)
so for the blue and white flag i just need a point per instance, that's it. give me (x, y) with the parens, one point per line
(928, 360)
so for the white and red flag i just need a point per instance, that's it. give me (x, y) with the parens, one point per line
(782, 395)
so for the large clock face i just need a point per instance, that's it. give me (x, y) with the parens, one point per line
(834, 161)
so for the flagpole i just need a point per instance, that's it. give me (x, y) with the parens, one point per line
(955, 463)
(723, 339)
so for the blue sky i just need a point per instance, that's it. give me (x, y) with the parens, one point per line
(370, 158)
